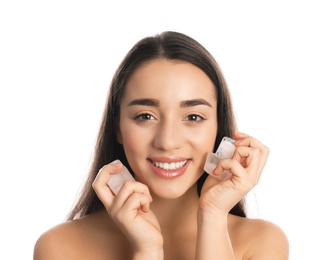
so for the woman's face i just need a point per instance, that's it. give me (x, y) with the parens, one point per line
(168, 123)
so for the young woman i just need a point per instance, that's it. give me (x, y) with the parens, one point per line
(168, 107)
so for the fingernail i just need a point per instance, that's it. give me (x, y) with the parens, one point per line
(116, 166)
(217, 171)
(116, 162)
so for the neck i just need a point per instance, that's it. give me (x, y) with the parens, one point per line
(177, 216)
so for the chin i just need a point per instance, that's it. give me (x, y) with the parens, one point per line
(168, 192)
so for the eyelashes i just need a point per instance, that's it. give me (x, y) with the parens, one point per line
(144, 117)
(193, 118)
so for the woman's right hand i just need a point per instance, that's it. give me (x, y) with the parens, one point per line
(130, 210)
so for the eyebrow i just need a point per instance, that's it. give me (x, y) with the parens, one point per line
(195, 102)
(155, 103)
(144, 102)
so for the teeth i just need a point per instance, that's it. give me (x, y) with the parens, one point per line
(170, 166)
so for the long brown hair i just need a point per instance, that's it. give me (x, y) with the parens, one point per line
(167, 45)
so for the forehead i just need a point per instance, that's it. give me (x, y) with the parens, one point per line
(161, 78)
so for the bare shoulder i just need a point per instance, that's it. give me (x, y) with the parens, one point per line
(91, 237)
(259, 239)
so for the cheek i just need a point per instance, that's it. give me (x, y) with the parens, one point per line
(133, 140)
(136, 148)
(204, 138)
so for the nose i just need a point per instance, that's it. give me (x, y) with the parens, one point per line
(168, 136)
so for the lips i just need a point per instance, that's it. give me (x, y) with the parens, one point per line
(168, 168)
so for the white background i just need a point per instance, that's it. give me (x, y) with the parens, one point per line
(56, 62)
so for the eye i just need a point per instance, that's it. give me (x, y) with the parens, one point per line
(194, 118)
(144, 117)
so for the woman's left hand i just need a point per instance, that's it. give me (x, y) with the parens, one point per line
(246, 167)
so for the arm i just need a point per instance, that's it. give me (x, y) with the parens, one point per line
(213, 241)
(130, 210)
(219, 196)
(148, 255)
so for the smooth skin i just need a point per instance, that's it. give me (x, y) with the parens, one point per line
(168, 114)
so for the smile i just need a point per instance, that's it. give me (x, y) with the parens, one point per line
(169, 166)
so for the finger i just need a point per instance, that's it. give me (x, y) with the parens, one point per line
(249, 158)
(239, 135)
(100, 183)
(129, 211)
(129, 188)
(229, 165)
(249, 141)
(240, 176)
(137, 201)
